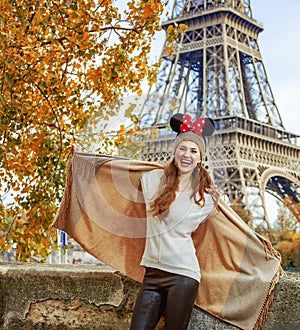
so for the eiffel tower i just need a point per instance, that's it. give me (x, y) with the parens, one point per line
(217, 71)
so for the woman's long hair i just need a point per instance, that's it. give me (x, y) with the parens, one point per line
(201, 183)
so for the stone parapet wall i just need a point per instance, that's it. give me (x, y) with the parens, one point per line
(88, 297)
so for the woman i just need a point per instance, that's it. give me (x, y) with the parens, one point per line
(177, 200)
(132, 229)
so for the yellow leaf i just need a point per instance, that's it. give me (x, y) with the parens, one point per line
(183, 27)
(129, 110)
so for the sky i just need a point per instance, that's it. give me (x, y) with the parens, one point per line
(280, 48)
(279, 45)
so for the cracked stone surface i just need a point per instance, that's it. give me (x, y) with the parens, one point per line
(90, 297)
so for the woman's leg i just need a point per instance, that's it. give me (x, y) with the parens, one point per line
(180, 301)
(147, 310)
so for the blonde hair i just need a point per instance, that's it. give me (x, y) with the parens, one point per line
(201, 183)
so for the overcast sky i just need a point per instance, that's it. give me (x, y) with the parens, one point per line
(280, 48)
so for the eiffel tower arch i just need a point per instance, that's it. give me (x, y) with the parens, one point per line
(217, 71)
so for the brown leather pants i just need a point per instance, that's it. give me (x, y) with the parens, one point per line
(167, 294)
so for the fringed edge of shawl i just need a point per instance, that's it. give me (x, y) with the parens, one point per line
(67, 195)
(270, 249)
(270, 296)
(268, 301)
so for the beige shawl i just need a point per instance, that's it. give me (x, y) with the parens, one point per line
(104, 211)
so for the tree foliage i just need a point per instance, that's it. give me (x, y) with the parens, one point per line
(60, 62)
(289, 248)
(287, 237)
(242, 211)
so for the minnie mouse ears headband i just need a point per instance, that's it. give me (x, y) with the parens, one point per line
(183, 123)
(191, 131)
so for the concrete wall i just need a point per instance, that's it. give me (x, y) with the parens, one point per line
(87, 297)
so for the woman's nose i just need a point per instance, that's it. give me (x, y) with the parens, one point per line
(187, 153)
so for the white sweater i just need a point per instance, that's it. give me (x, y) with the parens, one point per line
(169, 245)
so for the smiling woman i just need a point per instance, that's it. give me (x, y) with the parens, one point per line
(178, 199)
(187, 157)
(185, 247)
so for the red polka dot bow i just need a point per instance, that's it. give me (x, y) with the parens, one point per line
(188, 125)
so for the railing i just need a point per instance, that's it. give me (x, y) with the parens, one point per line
(253, 126)
(200, 9)
(233, 123)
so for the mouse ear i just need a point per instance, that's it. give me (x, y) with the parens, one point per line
(209, 127)
(176, 122)
(183, 123)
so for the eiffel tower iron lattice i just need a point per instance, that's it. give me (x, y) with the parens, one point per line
(217, 71)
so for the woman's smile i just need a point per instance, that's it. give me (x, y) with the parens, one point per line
(186, 162)
(187, 156)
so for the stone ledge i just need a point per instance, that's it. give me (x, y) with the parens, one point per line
(88, 297)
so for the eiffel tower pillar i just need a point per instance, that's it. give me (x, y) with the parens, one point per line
(217, 71)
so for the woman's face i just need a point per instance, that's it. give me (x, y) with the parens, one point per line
(187, 156)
